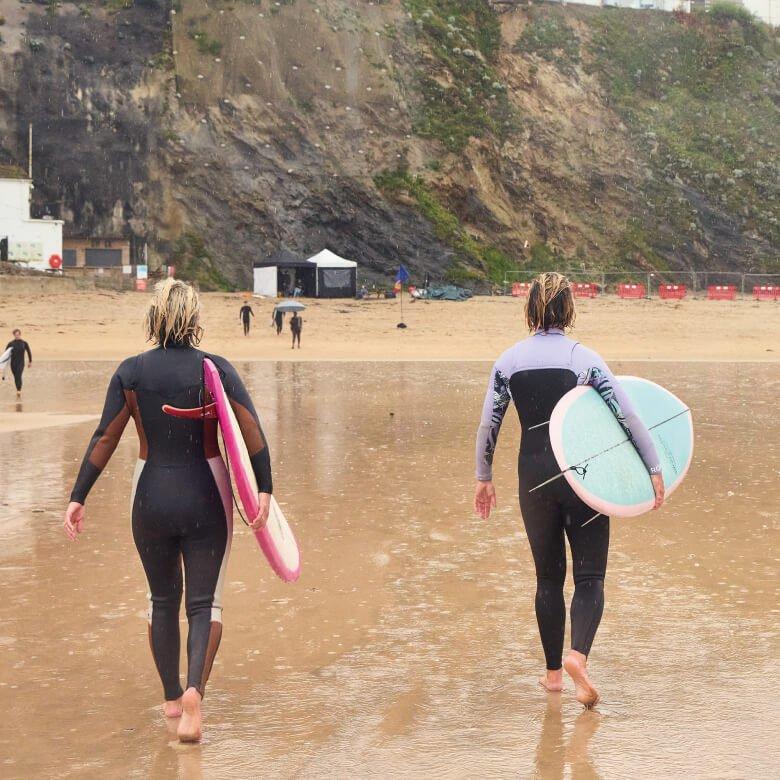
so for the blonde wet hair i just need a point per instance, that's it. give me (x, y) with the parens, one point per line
(550, 303)
(174, 315)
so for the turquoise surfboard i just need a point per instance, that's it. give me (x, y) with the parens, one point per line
(597, 458)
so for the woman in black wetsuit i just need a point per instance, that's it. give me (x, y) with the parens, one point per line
(181, 499)
(535, 374)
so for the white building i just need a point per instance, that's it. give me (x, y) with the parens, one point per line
(30, 241)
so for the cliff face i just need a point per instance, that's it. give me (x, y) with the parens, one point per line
(441, 134)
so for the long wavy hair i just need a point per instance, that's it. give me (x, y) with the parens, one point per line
(550, 303)
(174, 315)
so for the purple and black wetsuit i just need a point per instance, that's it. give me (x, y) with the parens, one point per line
(536, 373)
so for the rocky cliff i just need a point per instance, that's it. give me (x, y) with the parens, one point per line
(462, 139)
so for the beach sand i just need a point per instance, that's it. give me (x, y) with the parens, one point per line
(409, 646)
(107, 326)
(30, 421)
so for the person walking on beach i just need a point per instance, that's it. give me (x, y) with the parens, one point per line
(181, 494)
(245, 313)
(18, 347)
(296, 326)
(277, 318)
(534, 374)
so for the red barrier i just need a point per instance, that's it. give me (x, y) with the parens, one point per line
(721, 292)
(585, 290)
(766, 292)
(140, 285)
(520, 289)
(672, 291)
(626, 290)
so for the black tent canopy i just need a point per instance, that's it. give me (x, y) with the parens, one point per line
(281, 272)
(324, 275)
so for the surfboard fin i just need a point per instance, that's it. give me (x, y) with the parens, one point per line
(208, 412)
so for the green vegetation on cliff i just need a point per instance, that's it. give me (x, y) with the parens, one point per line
(460, 94)
(194, 263)
(701, 93)
(481, 260)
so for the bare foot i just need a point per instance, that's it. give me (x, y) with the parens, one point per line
(190, 724)
(575, 666)
(552, 681)
(172, 709)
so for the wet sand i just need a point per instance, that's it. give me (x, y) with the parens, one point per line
(106, 326)
(409, 645)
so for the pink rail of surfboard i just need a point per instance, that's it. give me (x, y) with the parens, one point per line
(276, 539)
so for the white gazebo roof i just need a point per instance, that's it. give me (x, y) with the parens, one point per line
(328, 259)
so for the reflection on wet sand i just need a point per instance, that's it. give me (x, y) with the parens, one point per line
(558, 747)
(409, 646)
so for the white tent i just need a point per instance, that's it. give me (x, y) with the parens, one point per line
(336, 276)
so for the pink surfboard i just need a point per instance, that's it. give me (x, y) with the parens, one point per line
(276, 539)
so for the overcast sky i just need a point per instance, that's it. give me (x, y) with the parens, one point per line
(768, 10)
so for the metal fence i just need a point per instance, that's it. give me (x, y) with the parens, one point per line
(695, 281)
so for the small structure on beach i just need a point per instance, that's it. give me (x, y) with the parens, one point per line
(104, 252)
(36, 243)
(336, 276)
(283, 271)
(324, 275)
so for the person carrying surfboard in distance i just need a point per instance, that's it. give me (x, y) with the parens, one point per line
(182, 509)
(535, 374)
(15, 350)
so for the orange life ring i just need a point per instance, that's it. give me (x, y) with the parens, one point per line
(55, 262)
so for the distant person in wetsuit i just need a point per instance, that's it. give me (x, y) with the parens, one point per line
(181, 495)
(296, 326)
(278, 319)
(18, 347)
(535, 374)
(245, 313)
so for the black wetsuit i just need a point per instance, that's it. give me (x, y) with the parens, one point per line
(182, 501)
(536, 373)
(279, 321)
(245, 313)
(296, 326)
(18, 347)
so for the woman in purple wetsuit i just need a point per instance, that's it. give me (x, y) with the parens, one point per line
(535, 374)
(182, 513)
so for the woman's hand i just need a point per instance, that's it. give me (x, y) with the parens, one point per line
(484, 499)
(658, 487)
(264, 500)
(74, 520)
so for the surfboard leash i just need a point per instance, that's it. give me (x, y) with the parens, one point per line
(227, 464)
(577, 466)
(222, 437)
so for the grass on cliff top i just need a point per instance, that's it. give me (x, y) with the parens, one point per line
(194, 263)
(701, 91)
(476, 260)
(461, 96)
(551, 38)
